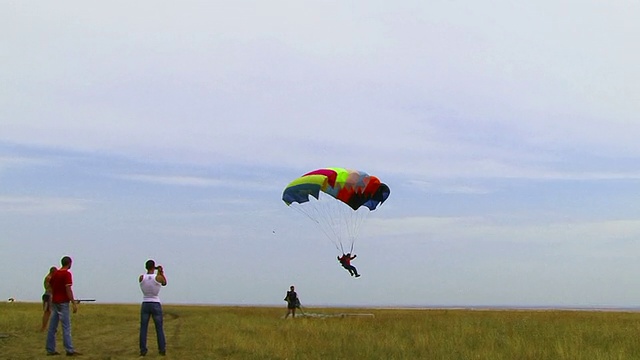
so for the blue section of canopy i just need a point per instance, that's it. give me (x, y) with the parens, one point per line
(300, 193)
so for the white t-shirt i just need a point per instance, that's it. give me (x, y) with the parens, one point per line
(150, 288)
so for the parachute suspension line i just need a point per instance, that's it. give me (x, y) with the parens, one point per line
(348, 223)
(333, 217)
(321, 216)
(336, 220)
(357, 219)
(343, 218)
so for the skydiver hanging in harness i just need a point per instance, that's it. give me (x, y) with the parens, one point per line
(345, 261)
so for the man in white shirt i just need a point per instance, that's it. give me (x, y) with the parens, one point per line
(150, 284)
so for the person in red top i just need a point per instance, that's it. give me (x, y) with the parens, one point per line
(61, 295)
(345, 261)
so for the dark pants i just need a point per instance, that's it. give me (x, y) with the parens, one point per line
(351, 268)
(151, 310)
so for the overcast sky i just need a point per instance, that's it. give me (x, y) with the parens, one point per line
(507, 133)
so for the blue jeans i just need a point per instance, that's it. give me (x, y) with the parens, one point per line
(59, 313)
(153, 310)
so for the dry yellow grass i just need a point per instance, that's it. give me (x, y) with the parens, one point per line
(217, 332)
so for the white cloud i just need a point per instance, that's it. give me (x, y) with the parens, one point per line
(7, 161)
(489, 229)
(172, 180)
(40, 205)
(428, 186)
(370, 89)
(200, 181)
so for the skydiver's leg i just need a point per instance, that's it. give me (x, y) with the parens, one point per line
(348, 268)
(355, 271)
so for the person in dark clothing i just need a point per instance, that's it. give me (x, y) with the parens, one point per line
(345, 261)
(293, 302)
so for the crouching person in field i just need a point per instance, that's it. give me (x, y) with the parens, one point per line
(150, 284)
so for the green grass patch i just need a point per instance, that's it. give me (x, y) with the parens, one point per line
(223, 332)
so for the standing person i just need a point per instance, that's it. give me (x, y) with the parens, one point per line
(61, 295)
(292, 302)
(46, 299)
(150, 284)
(345, 261)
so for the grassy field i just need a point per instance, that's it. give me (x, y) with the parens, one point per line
(216, 332)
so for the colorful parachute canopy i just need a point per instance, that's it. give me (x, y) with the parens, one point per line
(343, 200)
(352, 187)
